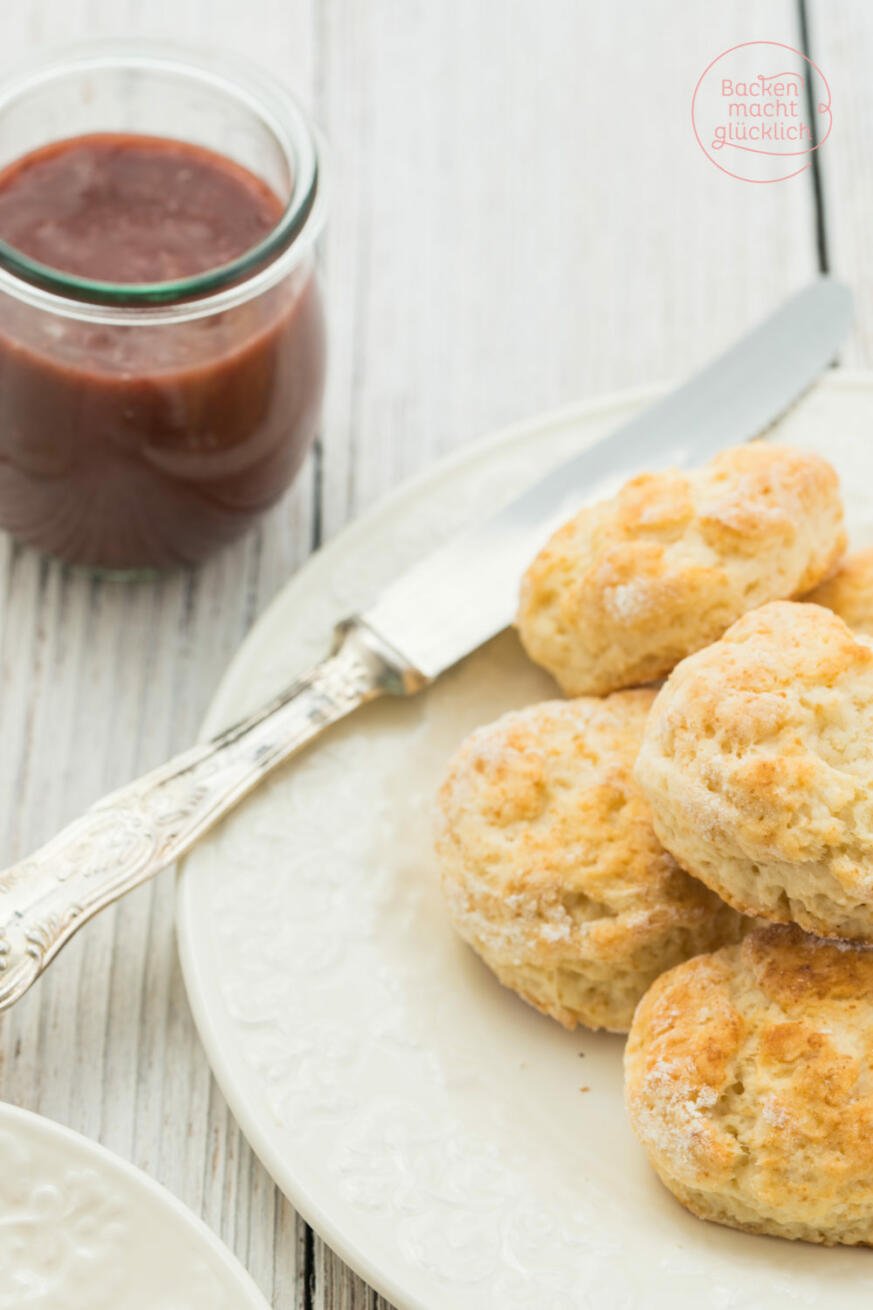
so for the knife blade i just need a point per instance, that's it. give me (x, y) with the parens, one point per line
(432, 616)
(466, 591)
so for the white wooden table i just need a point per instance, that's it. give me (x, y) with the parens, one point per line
(521, 217)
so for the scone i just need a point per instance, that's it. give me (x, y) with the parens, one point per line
(749, 1082)
(757, 760)
(630, 586)
(849, 592)
(552, 871)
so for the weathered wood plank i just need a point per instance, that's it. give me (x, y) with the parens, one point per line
(841, 38)
(97, 683)
(523, 217)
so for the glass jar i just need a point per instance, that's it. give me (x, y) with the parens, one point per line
(145, 425)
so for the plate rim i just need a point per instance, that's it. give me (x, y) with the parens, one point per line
(109, 1161)
(198, 994)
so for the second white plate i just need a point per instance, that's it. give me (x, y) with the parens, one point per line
(80, 1229)
(456, 1148)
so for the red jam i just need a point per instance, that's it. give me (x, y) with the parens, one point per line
(138, 444)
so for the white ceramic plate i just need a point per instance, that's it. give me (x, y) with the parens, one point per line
(455, 1147)
(81, 1229)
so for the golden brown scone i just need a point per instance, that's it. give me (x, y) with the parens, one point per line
(758, 762)
(551, 869)
(849, 592)
(630, 586)
(749, 1082)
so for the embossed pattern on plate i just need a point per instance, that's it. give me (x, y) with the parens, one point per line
(449, 1143)
(82, 1230)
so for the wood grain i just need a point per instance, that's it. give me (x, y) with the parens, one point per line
(841, 38)
(520, 217)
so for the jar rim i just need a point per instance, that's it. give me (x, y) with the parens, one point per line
(214, 290)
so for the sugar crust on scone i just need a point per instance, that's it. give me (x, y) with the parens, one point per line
(749, 1082)
(758, 765)
(550, 866)
(629, 587)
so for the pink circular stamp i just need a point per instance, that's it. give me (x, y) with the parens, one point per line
(760, 110)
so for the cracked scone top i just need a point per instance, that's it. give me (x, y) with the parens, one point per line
(551, 869)
(757, 760)
(749, 1082)
(630, 586)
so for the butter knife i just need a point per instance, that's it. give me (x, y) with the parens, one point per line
(431, 617)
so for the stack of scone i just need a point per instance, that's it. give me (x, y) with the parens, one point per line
(608, 855)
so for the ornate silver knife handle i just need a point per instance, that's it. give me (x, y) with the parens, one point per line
(132, 834)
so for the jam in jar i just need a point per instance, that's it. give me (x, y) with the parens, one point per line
(161, 331)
